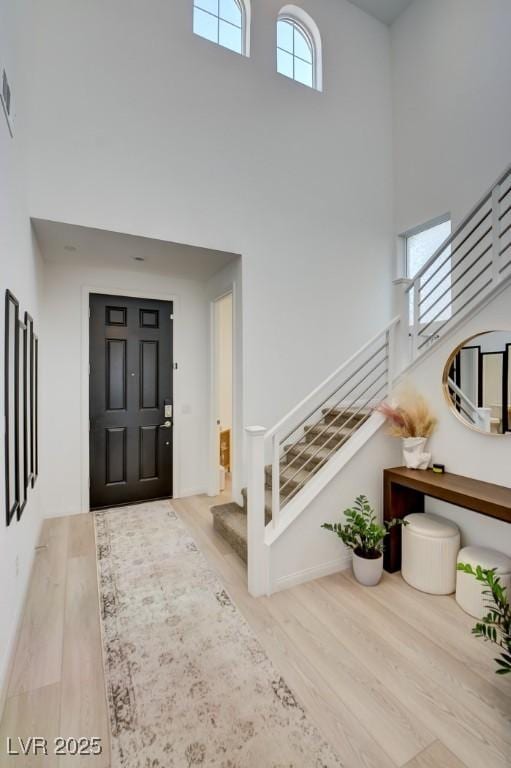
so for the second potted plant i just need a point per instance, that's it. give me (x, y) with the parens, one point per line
(363, 534)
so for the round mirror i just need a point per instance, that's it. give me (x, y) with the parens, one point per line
(477, 382)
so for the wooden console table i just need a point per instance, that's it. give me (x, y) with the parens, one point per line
(404, 491)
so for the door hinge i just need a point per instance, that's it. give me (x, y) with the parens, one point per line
(89, 482)
(174, 366)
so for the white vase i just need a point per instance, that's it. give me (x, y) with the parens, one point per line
(367, 570)
(414, 453)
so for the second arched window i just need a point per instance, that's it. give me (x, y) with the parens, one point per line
(295, 51)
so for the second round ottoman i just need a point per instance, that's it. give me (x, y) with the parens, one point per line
(470, 593)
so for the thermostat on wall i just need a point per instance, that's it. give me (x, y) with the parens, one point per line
(7, 100)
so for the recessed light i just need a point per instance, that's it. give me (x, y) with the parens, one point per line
(70, 248)
(138, 258)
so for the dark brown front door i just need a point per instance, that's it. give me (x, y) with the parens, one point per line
(130, 390)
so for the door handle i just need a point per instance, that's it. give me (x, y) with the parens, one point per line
(166, 424)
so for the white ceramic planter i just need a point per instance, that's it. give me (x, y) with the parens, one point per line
(414, 453)
(367, 571)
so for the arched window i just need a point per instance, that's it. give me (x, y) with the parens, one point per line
(225, 22)
(298, 47)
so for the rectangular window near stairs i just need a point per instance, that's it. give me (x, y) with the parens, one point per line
(420, 244)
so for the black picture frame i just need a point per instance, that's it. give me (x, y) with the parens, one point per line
(29, 401)
(36, 410)
(11, 406)
(22, 418)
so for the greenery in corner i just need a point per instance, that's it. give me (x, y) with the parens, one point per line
(362, 533)
(496, 625)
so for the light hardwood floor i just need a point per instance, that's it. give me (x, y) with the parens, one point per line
(392, 677)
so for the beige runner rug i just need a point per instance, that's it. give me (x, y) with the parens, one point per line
(188, 684)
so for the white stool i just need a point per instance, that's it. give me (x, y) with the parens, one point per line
(429, 549)
(469, 591)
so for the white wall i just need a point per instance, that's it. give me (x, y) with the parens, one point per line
(64, 386)
(141, 127)
(20, 271)
(451, 70)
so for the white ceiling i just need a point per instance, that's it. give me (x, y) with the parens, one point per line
(384, 10)
(116, 250)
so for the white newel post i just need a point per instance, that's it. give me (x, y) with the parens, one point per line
(402, 346)
(257, 549)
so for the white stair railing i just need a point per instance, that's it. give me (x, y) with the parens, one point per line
(464, 269)
(469, 265)
(334, 411)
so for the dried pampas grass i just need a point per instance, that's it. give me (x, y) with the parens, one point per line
(411, 416)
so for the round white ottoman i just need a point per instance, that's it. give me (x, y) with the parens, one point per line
(469, 591)
(430, 545)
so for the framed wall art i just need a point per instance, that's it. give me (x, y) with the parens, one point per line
(11, 406)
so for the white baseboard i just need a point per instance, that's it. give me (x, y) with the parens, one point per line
(314, 572)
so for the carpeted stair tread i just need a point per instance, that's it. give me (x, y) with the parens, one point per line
(230, 521)
(340, 415)
(290, 476)
(306, 454)
(319, 434)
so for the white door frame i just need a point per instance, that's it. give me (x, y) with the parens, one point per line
(213, 463)
(84, 410)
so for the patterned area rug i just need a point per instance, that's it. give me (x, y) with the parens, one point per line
(188, 683)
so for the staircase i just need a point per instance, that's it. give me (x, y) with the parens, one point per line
(300, 460)
(290, 464)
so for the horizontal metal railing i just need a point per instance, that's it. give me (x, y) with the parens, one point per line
(304, 441)
(464, 268)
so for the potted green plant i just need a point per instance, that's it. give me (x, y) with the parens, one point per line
(363, 534)
(496, 625)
